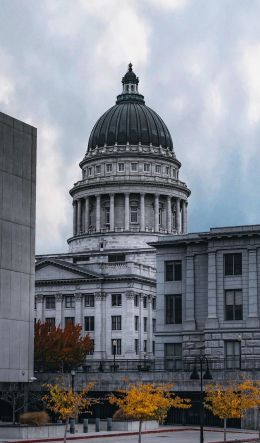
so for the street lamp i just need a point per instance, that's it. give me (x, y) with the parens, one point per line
(72, 373)
(114, 353)
(206, 376)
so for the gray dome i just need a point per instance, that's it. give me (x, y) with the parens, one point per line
(130, 121)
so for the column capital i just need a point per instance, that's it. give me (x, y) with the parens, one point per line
(100, 295)
(130, 295)
(112, 194)
(78, 296)
(39, 297)
(58, 297)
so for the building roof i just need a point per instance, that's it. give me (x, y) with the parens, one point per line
(130, 121)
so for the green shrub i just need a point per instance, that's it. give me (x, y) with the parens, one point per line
(34, 418)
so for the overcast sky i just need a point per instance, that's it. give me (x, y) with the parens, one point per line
(198, 61)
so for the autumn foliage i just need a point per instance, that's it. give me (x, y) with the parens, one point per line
(232, 401)
(34, 418)
(147, 402)
(67, 403)
(59, 349)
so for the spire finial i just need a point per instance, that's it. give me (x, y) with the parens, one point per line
(130, 67)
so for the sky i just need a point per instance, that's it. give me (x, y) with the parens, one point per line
(198, 62)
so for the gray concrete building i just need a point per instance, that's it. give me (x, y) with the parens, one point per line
(130, 194)
(208, 297)
(17, 253)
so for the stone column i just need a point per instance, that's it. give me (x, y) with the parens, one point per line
(74, 217)
(169, 214)
(129, 325)
(185, 219)
(126, 211)
(78, 310)
(156, 212)
(178, 216)
(100, 326)
(79, 217)
(252, 289)
(142, 212)
(190, 295)
(149, 327)
(112, 212)
(212, 320)
(39, 307)
(59, 310)
(98, 213)
(86, 214)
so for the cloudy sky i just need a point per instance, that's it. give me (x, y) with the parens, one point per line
(198, 61)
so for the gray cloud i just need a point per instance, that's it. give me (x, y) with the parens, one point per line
(198, 64)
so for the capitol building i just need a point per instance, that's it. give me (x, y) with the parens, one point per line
(130, 195)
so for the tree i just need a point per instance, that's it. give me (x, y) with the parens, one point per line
(56, 348)
(67, 403)
(232, 401)
(147, 402)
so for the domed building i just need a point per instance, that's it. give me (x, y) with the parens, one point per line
(129, 195)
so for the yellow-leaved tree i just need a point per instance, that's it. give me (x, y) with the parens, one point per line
(232, 401)
(144, 402)
(66, 403)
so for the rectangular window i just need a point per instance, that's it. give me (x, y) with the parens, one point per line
(116, 324)
(136, 300)
(50, 302)
(89, 323)
(89, 301)
(69, 301)
(147, 167)
(133, 214)
(107, 215)
(69, 321)
(158, 169)
(173, 309)
(116, 346)
(136, 346)
(173, 355)
(154, 324)
(136, 323)
(109, 167)
(160, 216)
(116, 258)
(90, 171)
(116, 300)
(98, 169)
(145, 302)
(121, 167)
(92, 347)
(233, 304)
(167, 170)
(233, 264)
(145, 324)
(173, 270)
(133, 167)
(145, 345)
(153, 347)
(232, 354)
(153, 303)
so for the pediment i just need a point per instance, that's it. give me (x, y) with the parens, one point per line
(60, 270)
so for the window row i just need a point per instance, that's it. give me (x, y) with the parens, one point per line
(233, 306)
(116, 346)
(232, 266)
(89, 301)
(134, 167)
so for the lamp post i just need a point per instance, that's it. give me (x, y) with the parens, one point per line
(114, 354)
(72, 373)
(206, 376)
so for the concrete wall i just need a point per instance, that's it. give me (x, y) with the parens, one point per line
(17, 248)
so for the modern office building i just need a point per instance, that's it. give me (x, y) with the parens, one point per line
(130, 194)
(17, 252)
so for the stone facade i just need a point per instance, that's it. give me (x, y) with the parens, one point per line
(219, 289)
(130, 194)
(17, 222)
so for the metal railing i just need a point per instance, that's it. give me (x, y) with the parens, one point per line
(155, 365)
